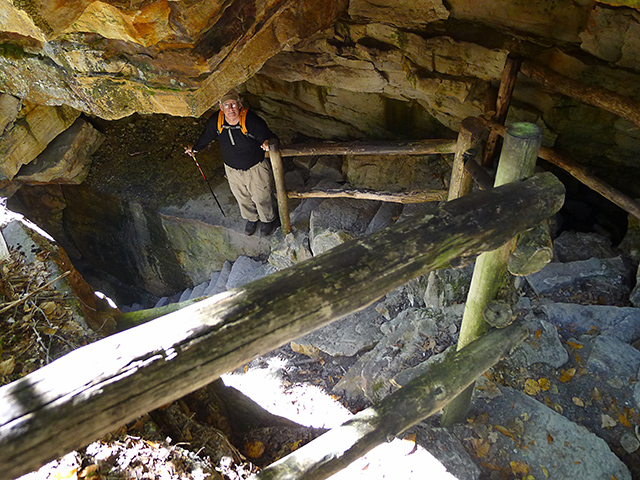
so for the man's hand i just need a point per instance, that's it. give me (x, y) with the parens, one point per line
(265, 145)
(189, 150)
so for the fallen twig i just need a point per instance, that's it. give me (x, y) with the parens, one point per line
(10, 305)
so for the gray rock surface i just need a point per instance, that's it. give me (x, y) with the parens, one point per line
(543, 345)
(594, 280)
(246, 270)
(349, 336)
(290, 249)
(575, 246)
(544, 443)
(622, 323)
(336, 221)
(328, 167)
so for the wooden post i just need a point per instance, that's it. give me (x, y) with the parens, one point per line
(507, 85)
(420, 398)
(281, 191)
(93, 390)
(469, 137)
(517, 161)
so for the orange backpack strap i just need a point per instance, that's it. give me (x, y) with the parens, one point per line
(243, 121)
(220, 121)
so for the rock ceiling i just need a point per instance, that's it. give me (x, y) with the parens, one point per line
(320, 68)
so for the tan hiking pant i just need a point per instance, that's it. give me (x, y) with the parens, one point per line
(253, 190)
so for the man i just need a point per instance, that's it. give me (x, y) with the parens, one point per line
(243, 137)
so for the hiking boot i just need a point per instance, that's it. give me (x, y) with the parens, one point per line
(268, 228)
(250, 227)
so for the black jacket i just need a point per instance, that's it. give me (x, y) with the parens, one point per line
(238, 150)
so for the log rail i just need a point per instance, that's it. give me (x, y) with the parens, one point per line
(87, 393)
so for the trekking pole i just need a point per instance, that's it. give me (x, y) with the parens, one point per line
(193, 155)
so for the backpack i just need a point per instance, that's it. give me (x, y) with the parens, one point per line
(242, 123)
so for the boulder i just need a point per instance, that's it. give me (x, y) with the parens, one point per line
(66, 159)
(31, 134)
(542, 346)
(290, 249)
(246, 270)
(448, 286)
(373, 375)
(335, 221)
(328, 167)
(622, 323)
(613, 34)
(573, 246)
(346, 337)
(555, 446)
(587, 281)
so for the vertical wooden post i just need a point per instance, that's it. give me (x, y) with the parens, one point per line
(281, 192)
(471, 130)
(517, 161)
(507, 85)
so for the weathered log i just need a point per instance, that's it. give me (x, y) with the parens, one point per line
(505, 92)
(469, 137)
(418, 147)
(281, 190)
(533, 251)
(417, 400)
(399, 197)
(624, 107)
(92, 390)
(131, 319)
(581, 174)
(517, 161)
(479, 174)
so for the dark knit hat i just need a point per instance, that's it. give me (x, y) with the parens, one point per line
(230, 95)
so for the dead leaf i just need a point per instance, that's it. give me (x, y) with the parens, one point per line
(538, 333)
(544, 384)
(578, 402)
(607, 421)
(7, 366)
(48, 308)
(575, 345)
(480, 446)
(545, 471)
(567, 375)
(596, 395)
(308, 350)
(504, 431)
(623, 420)
(549, 438)
(411, 437)
(519, 468)
(531, 387)
(245, 369)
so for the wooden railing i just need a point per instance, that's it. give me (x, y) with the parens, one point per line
(97, 388)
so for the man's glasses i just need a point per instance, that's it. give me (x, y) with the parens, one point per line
(227, 106)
